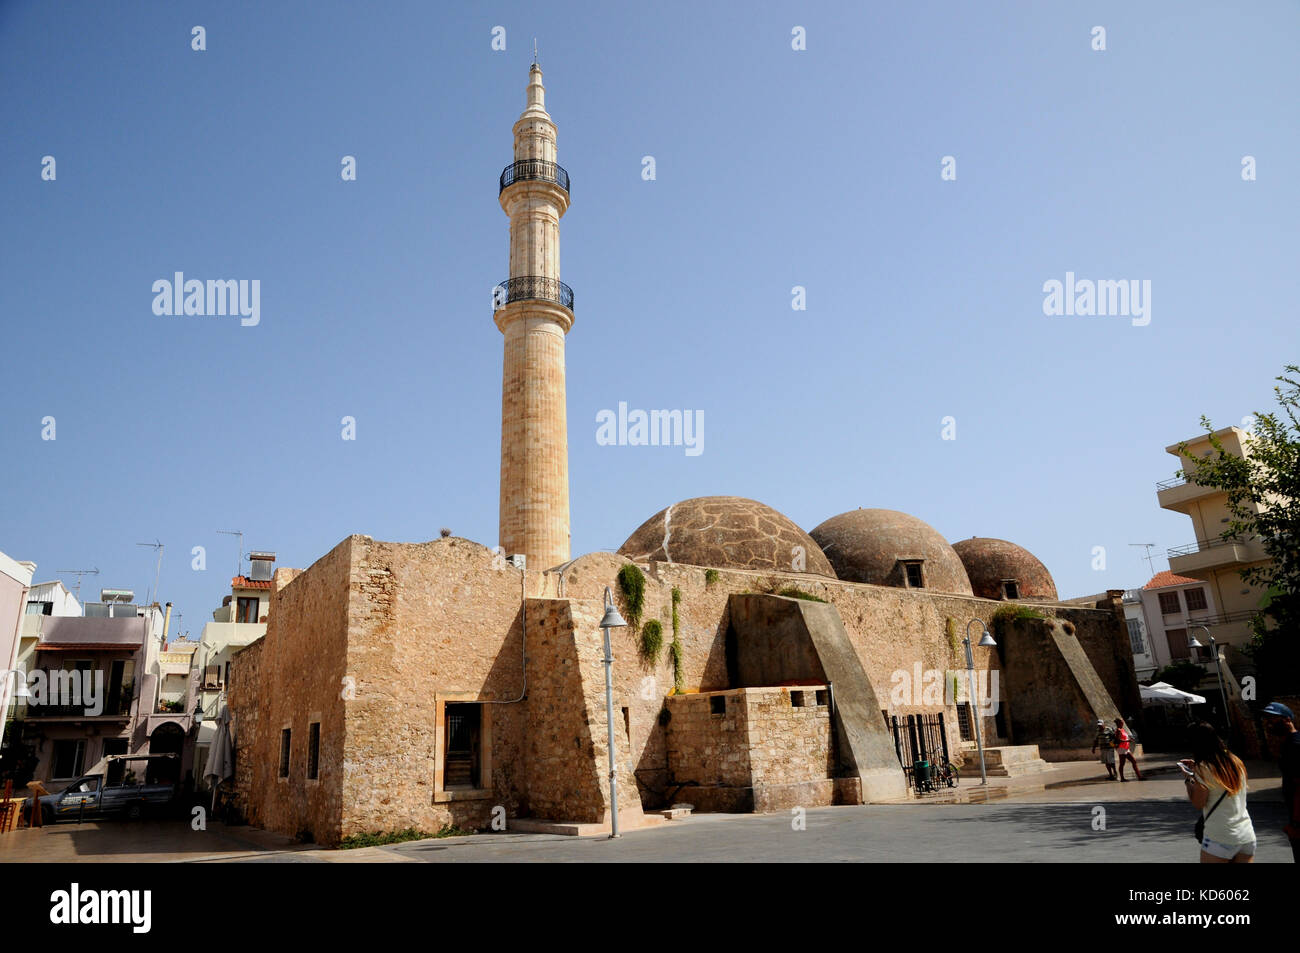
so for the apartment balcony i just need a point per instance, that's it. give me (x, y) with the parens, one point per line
(1179, 493)
(114, 710)
(1205, 556)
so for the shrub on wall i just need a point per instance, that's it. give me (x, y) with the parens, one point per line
(652, 640)
(631, 582)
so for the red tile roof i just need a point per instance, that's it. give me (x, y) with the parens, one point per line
(1162, 579)
(243, 582)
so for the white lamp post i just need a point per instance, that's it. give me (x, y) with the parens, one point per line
(985, 640)
(611, 620)
(1218, 669)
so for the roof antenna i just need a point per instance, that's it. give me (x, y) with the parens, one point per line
(534, 51)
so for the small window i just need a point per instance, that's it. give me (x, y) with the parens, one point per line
(1178, 647)
(284, 752)
(68, 758)
(40, 608)
(798, 699)
(1195, 599)
(246, 610)
(1169, 603)
(1135, 636)
(1010, 589)
(964, 722)
(717, 704)
(313, 750)
(822, 697)
(915, 579)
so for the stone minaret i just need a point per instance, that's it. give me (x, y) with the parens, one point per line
(534, 310)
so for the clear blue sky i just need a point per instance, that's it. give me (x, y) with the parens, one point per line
(775, 168)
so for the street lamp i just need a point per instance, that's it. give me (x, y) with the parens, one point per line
(611, 620)
(1218, 669)
(986, 640)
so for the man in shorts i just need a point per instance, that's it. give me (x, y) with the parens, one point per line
(1105, 740)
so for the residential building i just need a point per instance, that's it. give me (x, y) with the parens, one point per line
(239, 622)
(94, 681)
(1211, 558)
(15, 582)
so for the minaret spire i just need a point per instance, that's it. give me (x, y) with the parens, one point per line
(534, 311)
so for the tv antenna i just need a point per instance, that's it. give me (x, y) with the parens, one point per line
(1147, 555)
(76, 589)
(155, 545)
(239, 567)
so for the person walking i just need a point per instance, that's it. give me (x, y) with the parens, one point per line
(1124, 749)
(1216, 783)
(1105, 740)
(1280, 724)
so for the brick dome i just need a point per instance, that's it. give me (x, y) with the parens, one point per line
(888, 548)
(726, 532)
(990, 563)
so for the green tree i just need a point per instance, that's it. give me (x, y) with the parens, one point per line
(1263, 499)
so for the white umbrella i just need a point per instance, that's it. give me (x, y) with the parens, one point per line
(1162, 693)
(221, 760)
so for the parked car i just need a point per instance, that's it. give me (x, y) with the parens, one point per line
(94, 795)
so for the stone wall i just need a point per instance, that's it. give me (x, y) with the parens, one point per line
(411, 626)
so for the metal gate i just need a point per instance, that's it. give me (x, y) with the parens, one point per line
(919, 738)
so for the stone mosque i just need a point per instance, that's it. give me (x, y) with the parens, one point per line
(419, 685)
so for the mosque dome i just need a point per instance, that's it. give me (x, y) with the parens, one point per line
(888, 548)
(726, 532)
(1001, 570)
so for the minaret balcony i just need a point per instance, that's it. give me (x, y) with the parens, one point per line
(533, 288)
(541, 170)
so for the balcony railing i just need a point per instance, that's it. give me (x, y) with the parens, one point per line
(1201, 546)
(537, 169)
(532, 288)
(120, 708)
(1170, 484)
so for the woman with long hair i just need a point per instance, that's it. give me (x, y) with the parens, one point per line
(1216, 783)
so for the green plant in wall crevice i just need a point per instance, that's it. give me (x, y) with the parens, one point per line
(675, 649)
(631, 582)
(652, 640)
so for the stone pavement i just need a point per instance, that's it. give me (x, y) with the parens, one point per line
(1147, 821)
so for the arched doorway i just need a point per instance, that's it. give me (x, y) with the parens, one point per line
(167, 738)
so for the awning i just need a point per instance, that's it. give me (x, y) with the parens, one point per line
(1162, 693)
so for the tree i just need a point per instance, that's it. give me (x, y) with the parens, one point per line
(1263, 498)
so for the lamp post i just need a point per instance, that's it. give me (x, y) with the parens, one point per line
(985, 640)
(1218, 669)
(611, 620)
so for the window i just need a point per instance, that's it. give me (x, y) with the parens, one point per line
(1195, 599)
(822, 697)
(717, 704)
(284, 752)
(68, 758)
(246, 609)
(1178, 648)
(1135, 636)
(462, 722)
(912, 570)
(212, 678)
(84, 786)
(313, 750)
(40, 608)
(1169, 603)
(798, 699)
(964, 722)
(1010, 589)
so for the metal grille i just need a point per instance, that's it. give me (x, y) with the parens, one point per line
(536, 169)
(919, 738)
(533, 288)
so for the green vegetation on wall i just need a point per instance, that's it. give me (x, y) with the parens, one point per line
(710, 576)
(652, 640)
(631, 582)
(675, 649)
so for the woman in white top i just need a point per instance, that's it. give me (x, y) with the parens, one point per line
(1217, 785)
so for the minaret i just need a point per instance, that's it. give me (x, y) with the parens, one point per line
(534, 310)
